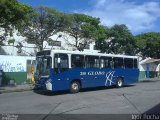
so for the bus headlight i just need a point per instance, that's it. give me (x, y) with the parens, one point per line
(49, 84)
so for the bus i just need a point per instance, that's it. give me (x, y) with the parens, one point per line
(73, 70)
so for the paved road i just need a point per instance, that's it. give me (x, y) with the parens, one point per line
(135, 99)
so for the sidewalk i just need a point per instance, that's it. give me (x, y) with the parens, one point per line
(17, 88)
(149, 79)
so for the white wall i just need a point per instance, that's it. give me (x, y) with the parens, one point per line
(14, 63)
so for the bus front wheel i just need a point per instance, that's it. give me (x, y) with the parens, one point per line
(75, 87)
(119, 83)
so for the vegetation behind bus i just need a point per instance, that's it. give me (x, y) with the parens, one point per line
(37, 25)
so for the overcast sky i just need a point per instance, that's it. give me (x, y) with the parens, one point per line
(139, 15)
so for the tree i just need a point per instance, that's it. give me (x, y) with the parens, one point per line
(149, 44)
(13, 16)
(101, 35)
(82, 28)
(120, 41)
(45, 23)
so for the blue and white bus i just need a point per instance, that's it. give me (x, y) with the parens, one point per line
(73, 70)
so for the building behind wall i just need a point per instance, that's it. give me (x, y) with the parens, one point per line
(65, 42)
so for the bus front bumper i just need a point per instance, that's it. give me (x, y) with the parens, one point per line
(43, 85)
(48, 85)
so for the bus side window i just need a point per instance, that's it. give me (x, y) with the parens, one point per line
(92, 61)
(77, 61)
(112, 64)
(102, 63)
(128, 62)
(118, 62)
(105, 62)
(63, 65)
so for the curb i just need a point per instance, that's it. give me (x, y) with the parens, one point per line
(148, 80)
(16, 90)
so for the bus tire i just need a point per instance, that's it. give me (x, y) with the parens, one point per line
(119, 83)
(75, 87)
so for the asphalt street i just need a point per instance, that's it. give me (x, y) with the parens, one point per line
(139, 98)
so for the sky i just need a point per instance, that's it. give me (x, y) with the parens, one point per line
(140, 16)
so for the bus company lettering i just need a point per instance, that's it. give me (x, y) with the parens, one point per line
(109, 75)
(93, 73)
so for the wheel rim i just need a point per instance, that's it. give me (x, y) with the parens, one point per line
(120, 83)
(75, 86)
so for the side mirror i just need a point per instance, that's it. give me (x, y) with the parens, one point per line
(59, 60)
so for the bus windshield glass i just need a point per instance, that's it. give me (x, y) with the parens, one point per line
(43, 65)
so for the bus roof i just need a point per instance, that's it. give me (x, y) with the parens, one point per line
(92, 53)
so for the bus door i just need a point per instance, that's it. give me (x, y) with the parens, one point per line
(61, 65)
(92, 67)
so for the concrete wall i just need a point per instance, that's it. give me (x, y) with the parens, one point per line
(14, 68)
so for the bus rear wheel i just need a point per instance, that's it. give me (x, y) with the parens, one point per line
(75, 87)
(119, 83)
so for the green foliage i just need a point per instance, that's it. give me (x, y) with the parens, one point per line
(11, 41)
(149, 44)
(82, 28)
(13, 16)
(45, 23)
(101, 35)
(39, 24)
(123, 41)
(119, 41)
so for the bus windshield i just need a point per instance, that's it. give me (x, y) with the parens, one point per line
(43, 65)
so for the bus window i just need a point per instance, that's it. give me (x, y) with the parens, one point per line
(92, 61)
(135, 63)
(77, 61)
(63, 65)
(106, 62)
(128, 62)
(43, 65)
(102, 63)
(118, 62)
